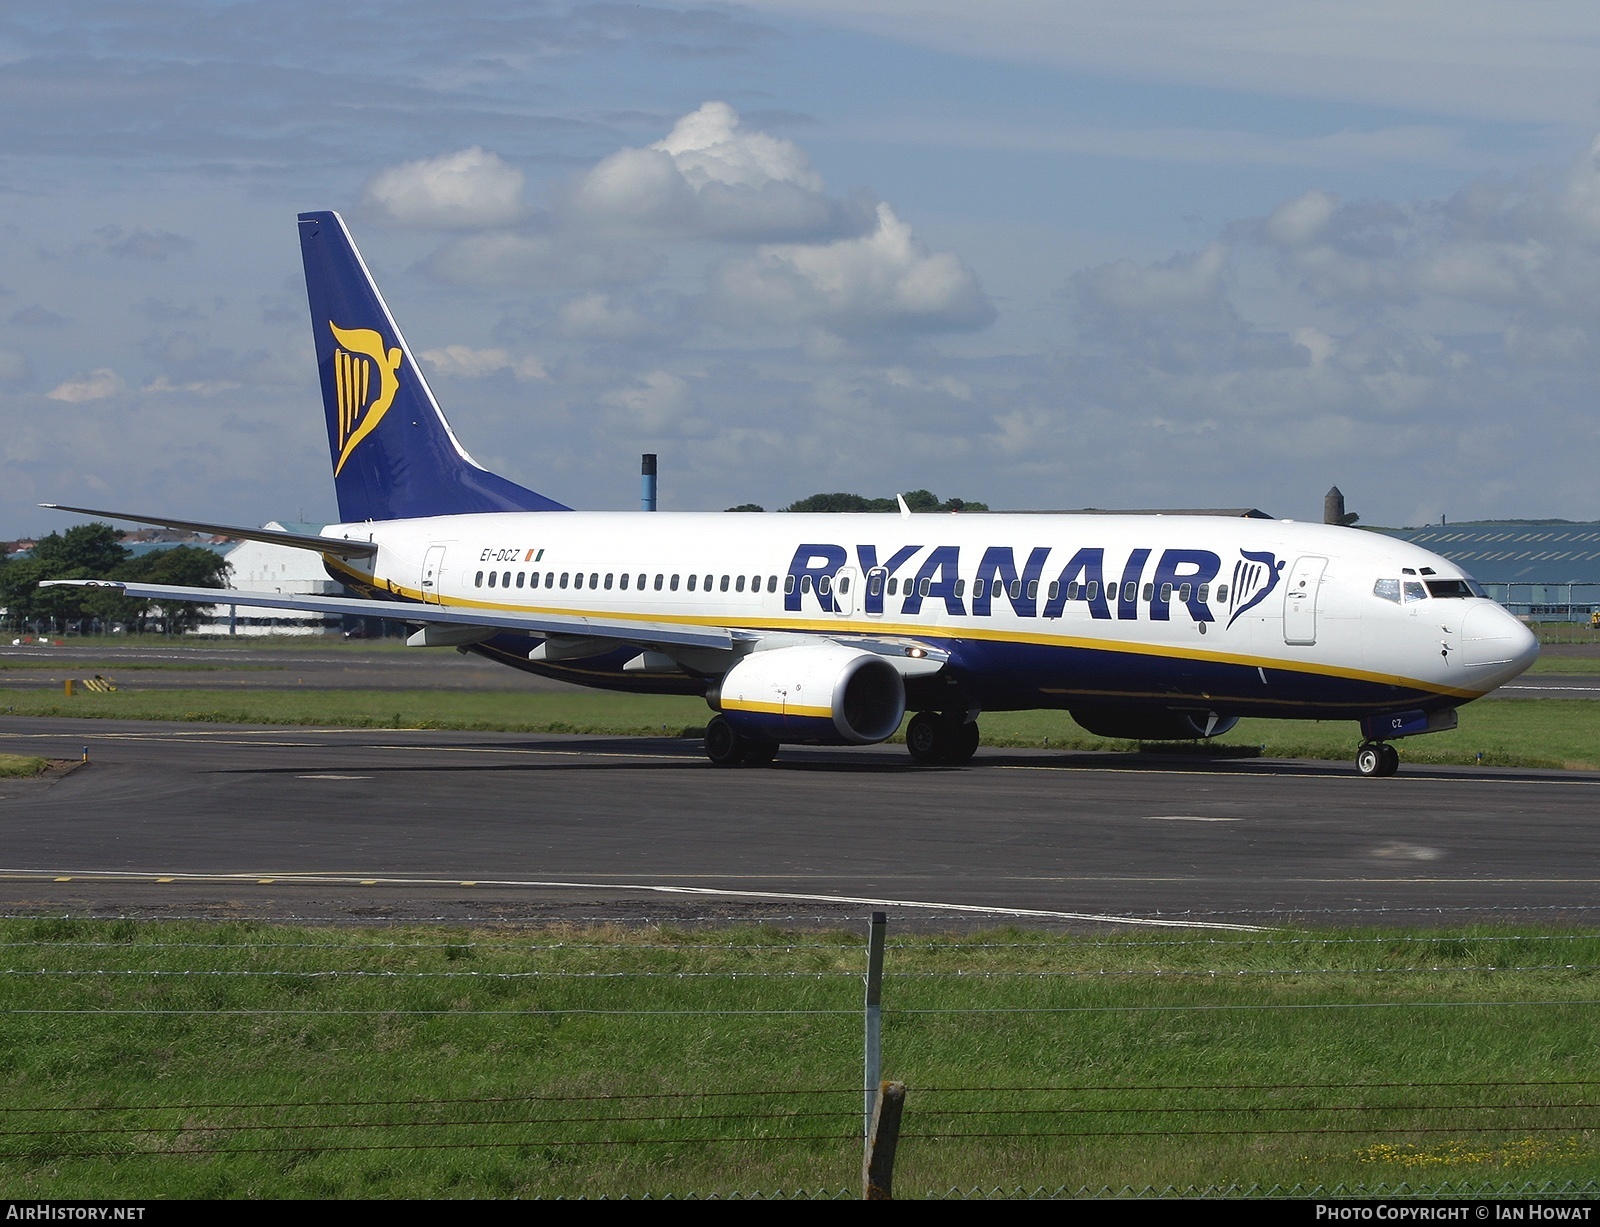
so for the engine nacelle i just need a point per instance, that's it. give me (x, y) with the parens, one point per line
(820, 694)
(1134, 724)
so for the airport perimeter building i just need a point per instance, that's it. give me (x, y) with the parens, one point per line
(1547, 570)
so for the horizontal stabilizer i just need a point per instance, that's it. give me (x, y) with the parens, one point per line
(644, 634)
(337, 546)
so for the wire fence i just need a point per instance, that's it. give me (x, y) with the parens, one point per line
(597, 1059)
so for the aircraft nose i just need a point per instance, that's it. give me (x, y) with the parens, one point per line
(1495, 647)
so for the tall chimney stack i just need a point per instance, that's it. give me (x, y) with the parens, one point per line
(647, 482)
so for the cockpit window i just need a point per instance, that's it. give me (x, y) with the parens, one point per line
(1388, 589)
(1451, 588)
(1414, 591)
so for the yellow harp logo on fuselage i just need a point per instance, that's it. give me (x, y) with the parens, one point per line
(360, 350)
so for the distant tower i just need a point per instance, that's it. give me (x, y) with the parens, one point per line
(1333, 511)
(647, 482)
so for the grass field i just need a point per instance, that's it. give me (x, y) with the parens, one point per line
(187, 1059)
(14, 765)
(1505, 732)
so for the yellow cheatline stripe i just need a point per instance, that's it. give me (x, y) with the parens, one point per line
(915, 630)
(778, 709)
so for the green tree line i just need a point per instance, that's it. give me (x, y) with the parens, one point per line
(95, 551)
(916, 500)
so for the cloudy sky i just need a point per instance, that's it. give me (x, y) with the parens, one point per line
(1043, 254)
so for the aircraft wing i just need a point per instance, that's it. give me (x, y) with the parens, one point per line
(338, 546)
(645, 634)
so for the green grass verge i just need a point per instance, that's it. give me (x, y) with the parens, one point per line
(15, 765)
(1566, 664)
(188, 1059)
(1558, 733)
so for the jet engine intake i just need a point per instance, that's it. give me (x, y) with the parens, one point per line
(818, 694)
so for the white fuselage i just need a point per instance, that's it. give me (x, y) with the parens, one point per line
(1242, 615)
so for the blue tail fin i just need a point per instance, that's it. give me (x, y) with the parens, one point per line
(394, 455)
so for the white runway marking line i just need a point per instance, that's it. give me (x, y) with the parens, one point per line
(701, 891)
(1595, 689)
(1187, 818)
(330, 776)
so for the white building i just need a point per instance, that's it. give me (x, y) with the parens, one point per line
(260, 567)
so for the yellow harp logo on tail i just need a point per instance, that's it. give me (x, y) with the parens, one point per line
(361, 349)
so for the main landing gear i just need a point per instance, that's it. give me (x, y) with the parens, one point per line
(941, 739)
(727, 748)
(1377, 758)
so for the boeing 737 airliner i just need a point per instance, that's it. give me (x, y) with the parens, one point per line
(827, 629)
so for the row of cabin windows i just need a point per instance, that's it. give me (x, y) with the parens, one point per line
(824, 585)
(997, 588)
(519, 579)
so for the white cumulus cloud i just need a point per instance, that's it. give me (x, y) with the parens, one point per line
(97, 384)
(471, 189)
(714, 178)
(884, 281)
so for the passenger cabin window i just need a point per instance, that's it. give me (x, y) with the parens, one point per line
(961, 586)
(533, 580)
(1205, 592)
(1149, 591)
(824, 584)
(1054, 590)
(693, 579)
(1414, 591)
(478, 583)
(1072, 591)
(805, 583)
(608, 581)
(772, 583)
(1092, 591)
(493, 576)
(549, 579)
(738, 584)
(674, 583)
(659, 579)
(788, 585)
(874, 585)
(925, 587)
(1166, 593)
(624, 581)
(1033, 589)
(894, 586)
(505, 580)
(594, 579)
(1183, 592)
(1387, 589)
(1222, 592)
(723, 586)
(640, 584)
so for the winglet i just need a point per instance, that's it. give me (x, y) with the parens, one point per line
(905, 512)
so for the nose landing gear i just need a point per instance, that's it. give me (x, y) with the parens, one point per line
(1377, 758)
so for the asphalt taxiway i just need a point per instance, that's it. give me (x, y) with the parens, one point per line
(349, 823)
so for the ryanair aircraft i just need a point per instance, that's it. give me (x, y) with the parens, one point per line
(827, 629)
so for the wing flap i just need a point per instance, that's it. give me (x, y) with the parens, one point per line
(644, 634)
